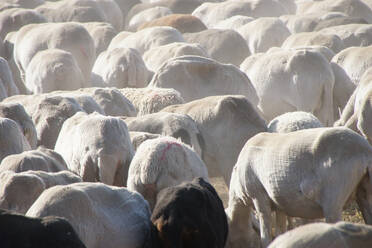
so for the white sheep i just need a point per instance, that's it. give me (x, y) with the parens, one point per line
(160, 163)
(152, 100)
(293, 121)
(41, 159)
(12, 140)
(18, 191)
(96, 147)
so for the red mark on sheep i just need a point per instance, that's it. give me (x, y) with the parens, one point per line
(83, 52)
(155, 96)
(167, 148)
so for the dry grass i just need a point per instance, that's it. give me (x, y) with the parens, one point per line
(353, 214)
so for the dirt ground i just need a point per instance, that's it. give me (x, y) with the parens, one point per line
(351, 213)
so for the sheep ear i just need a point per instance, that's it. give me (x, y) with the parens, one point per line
(159, 224)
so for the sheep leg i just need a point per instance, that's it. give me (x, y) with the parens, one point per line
(290, 223)
(107, 168)
(263, 209)
(88, 170)
(121, 174)
(281, 223)
(332, 213)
